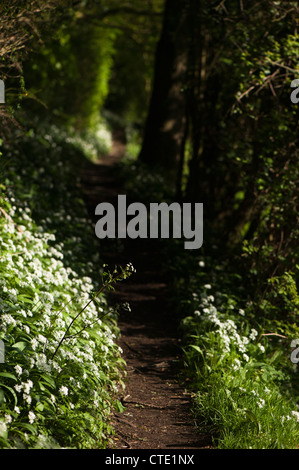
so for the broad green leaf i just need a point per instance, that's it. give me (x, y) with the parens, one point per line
(11, 390)
(197, 348)
(8, 375)
(29, 427)
(21, 345)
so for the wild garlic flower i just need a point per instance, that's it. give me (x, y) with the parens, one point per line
(31, 417)
(64, 390)
(18, 369)
(3, 428)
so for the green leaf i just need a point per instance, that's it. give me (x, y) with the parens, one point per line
(21, 345)
(275, 356)
(2, 396)
(197, 348)
(48, 380)
(253, 418)
(29, 427)
(8, 375)
(11, 390)
(119, 407)
(39, 407)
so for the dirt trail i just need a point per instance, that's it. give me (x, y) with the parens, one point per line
(157, 409)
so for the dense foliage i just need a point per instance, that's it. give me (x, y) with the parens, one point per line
(238, 358)
(62, 366)
(219, 128)
(240, 159)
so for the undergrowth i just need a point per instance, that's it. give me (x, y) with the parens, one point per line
(238, 366)
(60, 365)
(237, 356)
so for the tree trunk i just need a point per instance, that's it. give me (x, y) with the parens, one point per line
(164, 135)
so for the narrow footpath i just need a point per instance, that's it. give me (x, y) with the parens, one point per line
(157, 408)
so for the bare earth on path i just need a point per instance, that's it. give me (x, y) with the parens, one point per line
(157, 408)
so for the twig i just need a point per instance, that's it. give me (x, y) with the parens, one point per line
(104, 286)
(124, 421)
(281, 65)
(246, 92)
(148, 405)
(132, 349)
(123, 437)
(273, 334)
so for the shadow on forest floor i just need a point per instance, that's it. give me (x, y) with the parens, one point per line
(157, 408)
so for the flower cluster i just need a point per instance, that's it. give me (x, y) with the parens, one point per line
(58, 374)
(212, 310)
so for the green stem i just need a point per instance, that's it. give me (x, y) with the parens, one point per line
(82, 310)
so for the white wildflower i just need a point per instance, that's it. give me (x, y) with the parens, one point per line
(261, 348)
(236, 364)
(34, 344)
(64, 390)
(260, 402)
(32, 417)
(3, 428)
(18, 369)
(8, 418)
(27, 386)
(27, 398)
(253, 334)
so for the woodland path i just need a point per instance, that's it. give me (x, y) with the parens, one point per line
(157, 408)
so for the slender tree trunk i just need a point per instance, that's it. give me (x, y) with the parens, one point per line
(164, 135)
(196, 102)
